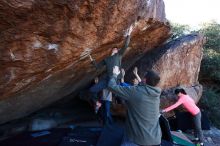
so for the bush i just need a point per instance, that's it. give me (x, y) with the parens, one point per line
(210, 66)
(210, 72)
(179, 29)
(212, 32)
(211, 103)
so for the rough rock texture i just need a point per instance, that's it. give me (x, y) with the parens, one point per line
(178, 63)
(44, 45)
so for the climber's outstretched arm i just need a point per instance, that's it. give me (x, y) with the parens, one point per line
(99, 65)
(127, 41)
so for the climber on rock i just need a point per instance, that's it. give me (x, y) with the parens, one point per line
(110, 62)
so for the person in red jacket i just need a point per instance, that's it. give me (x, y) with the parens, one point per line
(189, 104)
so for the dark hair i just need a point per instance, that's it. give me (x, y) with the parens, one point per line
(152, 78)
(177, 91)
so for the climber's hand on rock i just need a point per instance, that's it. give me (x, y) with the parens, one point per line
(90, 57)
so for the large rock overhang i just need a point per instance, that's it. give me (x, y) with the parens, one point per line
(45, 45)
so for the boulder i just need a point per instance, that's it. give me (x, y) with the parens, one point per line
(178, 63)
(45, 45)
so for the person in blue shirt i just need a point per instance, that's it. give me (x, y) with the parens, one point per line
(135, 81)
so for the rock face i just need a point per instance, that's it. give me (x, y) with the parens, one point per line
(178, 63)
(45, 44)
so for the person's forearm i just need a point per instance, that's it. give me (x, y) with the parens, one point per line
(123, 49)
(99, 65)
(122, 80)
(117, 89)
(95, 64)
(138, 78)
(172, 106)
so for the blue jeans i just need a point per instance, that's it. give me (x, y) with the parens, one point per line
(127, 142)
(102, 84)
(96, 88)
(106, 112)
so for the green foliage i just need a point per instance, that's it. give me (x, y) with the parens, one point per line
(210, 71)
(212, 32)
(179, 30)
(211, 103)
(210, 67)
